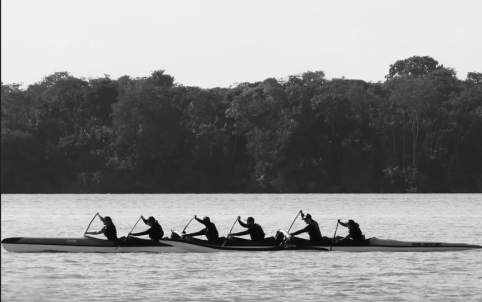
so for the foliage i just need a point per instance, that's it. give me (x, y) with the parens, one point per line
(419, 131)
(30, 167)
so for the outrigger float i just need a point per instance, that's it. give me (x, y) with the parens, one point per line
(175, 244)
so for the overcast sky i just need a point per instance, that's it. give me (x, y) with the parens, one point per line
(219, 43)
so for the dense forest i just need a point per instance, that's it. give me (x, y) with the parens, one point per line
(418, 131)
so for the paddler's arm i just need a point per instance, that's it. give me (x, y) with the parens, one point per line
(240, 233)
(143, 219)
(244, 225)
(194, 234)
(92, 233)
(95, 233)
(139, 234)
(346, 237)
(342, 223)
(300, 231)
(199, 220)
(100, 217)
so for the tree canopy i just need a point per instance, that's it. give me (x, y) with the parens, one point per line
(419, 131)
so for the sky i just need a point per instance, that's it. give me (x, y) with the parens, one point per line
(221, 43)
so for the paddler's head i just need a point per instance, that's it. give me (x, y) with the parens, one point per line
(150, 221)
(352, 224)
(107, 220)
(206, 219)
(307, 218)
(250, 220)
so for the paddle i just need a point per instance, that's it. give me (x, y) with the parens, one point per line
(184, 231)
(233, 226)
(230, 231)
(129, 233)
(91, 222)
(294, 220)
(331, 247)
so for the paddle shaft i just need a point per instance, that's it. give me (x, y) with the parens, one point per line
(135, 225)
(226, 240)
(294, 221)
(233, 227)
(334, 235)
(129, 233)
(91, 223)
(187, 225)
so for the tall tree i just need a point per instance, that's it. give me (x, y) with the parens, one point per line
(413, 66)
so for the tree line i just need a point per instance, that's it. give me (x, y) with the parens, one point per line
(418, 131)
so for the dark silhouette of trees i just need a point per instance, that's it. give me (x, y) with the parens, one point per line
(419, 131)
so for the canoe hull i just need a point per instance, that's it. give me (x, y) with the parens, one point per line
(27, 245)
(89, 244)
(85, 244)
(387, 245)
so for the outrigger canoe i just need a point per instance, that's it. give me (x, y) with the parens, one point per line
(88, 244)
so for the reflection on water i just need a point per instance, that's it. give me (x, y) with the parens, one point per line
(244, 276)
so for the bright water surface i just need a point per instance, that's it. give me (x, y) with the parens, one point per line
(244, 276)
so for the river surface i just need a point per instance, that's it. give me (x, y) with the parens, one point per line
(244, 276)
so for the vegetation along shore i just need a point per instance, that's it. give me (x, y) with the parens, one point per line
(418, 131)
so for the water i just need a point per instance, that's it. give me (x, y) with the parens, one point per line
(273, 276)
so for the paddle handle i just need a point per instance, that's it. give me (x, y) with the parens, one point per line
(334, 235)
(294, 221)
(187, 225)
(91, 222)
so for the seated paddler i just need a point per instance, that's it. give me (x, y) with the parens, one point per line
(311, 228)
(155, 231)
(209, 231)
(253, 229)
(108, 230)
(354, 232)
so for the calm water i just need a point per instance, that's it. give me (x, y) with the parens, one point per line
(274, 276)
